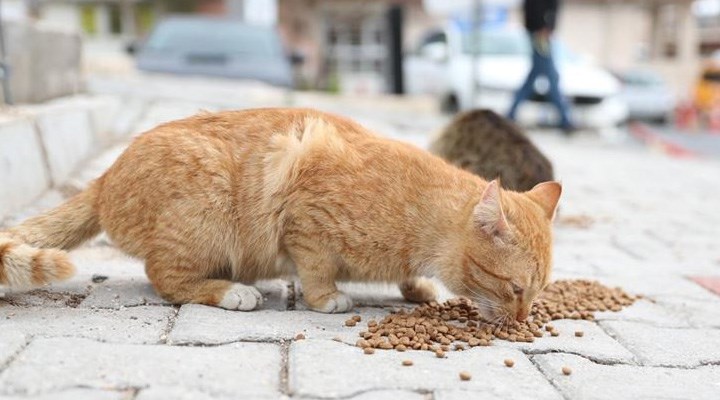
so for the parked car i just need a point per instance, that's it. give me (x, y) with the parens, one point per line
(216, 47)
(647, 95)
(442, 66)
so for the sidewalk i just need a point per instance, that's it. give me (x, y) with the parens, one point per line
(628, 217)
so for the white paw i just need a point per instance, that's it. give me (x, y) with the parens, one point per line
(339, 303)
(241, 297)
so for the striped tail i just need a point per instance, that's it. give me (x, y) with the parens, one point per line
(31, 254)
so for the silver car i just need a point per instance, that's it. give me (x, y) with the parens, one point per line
(215, 47)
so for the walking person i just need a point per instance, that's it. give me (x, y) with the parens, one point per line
(540, 20)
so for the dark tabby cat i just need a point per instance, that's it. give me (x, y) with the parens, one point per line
(488, 145)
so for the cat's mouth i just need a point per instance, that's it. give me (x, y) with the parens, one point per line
(492, 314)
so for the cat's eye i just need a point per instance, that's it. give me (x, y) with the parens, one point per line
(517, 290)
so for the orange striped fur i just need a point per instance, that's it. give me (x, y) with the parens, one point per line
(217, 201)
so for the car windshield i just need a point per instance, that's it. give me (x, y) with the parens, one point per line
(506, 43)
(213, 37)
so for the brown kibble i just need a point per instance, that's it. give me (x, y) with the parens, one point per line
(579, 333)
(369, 350)
(407, 363)
(465, 376)
(299, 336)
(458, 324)
(386, 345)
(566, 370)
(509, 363)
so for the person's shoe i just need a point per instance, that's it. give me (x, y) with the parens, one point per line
(569, 130)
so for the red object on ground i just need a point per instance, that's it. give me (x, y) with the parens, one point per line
(685, 116)
(651, 138)
(714, 120)
(711, 283)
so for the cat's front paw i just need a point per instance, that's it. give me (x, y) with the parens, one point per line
(337, 302)
(241, 297)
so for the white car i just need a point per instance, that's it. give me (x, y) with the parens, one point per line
(442, 65)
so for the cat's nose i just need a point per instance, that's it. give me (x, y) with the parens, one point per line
(521, 315)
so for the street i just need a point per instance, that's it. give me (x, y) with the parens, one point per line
(629, 216)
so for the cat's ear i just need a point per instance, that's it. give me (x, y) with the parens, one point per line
(547, 195)
(488, 212)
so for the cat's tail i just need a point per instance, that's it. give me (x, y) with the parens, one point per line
(31, 254)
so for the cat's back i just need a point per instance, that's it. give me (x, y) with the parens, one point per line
(488, 145)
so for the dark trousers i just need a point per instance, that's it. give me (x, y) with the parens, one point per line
(542, 65)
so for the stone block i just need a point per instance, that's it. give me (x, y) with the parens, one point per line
(23, 175)
(593, 381)
(239, 370)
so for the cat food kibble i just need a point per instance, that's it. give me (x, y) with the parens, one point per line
(457, 324)
(465, 376)
(407, 363)
(566, 370)
(368, 350)
(299, 336)
(509, 363)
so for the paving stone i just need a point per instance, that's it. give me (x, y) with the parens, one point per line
(123, 292)
(211, 325)
(177, 393)
(325, 368)
(389, 395)
(594, 344)
(62, 294)
(652, 285)
(674, 347)
(650, 312)
(75, 394)
(239, 370)
(129, 325)
(11, 342)
(700, 313)
(711, 283)
(594, 381)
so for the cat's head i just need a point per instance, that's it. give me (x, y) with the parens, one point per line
(506, 254)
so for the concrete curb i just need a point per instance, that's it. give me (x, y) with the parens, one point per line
(647, 135)
(42, 145)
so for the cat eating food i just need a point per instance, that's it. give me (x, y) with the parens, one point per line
(217, 201)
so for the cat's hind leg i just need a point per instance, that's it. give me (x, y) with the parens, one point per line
(181, 284)
(418, 290)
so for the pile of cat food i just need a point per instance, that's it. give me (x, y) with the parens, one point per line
(457, 324)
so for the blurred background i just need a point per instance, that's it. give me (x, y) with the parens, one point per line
(654, 62)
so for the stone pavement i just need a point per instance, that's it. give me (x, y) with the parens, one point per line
(628, 217)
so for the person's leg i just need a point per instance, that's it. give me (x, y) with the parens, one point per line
(555, 96)
(527, 88)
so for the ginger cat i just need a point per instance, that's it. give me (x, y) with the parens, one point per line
(214, 202)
